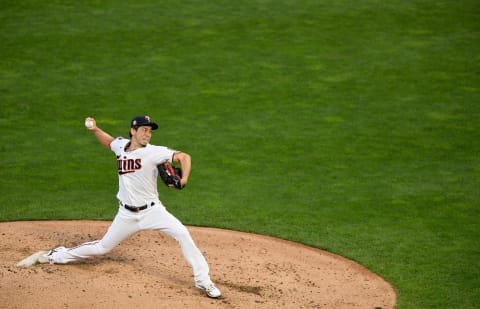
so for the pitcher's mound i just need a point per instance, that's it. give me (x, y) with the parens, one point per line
(148, 271)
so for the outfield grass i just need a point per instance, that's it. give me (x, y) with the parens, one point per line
(351, 126)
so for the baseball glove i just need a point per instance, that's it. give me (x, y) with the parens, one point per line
(170, 175)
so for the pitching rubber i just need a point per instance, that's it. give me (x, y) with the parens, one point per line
(38, 257)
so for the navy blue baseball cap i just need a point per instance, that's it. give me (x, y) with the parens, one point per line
(141, 121)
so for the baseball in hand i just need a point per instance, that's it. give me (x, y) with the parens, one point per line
(88, 124)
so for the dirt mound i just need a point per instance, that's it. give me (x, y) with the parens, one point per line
(148, 271)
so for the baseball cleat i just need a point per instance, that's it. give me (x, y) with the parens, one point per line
(38, 257)
(211, 290)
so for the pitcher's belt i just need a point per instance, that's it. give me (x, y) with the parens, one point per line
(136, 208)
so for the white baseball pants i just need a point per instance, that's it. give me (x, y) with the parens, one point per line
(127, 223)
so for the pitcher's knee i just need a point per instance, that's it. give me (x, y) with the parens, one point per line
(102, 249)
(92, 249)
(182, 235)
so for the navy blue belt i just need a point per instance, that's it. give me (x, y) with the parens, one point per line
(135, 208)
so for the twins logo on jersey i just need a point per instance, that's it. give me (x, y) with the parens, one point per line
(126, 166)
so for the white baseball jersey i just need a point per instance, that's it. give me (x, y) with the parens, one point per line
(137, 171)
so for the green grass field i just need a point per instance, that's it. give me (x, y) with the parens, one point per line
(351, 126)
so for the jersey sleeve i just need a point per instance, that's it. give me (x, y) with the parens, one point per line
(118, 144)
(163, 154)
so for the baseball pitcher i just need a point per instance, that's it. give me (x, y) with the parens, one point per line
(138, 165)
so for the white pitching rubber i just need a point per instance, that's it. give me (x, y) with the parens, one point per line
(38, 257)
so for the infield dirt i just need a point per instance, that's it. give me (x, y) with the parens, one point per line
(148, 271)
